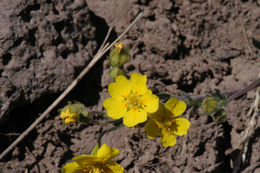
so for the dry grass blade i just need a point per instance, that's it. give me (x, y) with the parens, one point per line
(99, 54)
(247, 134)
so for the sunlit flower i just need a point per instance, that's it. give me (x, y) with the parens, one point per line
(131, 100)
(68, 115)
(165, 121)
(100, 162)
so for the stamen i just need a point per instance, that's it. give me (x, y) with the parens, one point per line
(133, 101)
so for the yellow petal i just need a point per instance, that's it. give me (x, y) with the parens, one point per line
(158, 114)
(84, 160)
(69, 120)
(106, 153)
(167, 138)
(182, 126)
(72, 167)
(138, 83)
(151, 129)
(113, 167)
(150, 101)
(134, 117)
(120, 88)
(65, 113)
(176, 106)
(115, 107)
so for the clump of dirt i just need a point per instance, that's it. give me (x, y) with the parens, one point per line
(43, 46)
(189, 46)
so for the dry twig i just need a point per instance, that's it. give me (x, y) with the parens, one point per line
(248, 132)
(99, 55)
(244, 90)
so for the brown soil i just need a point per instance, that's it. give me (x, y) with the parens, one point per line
(185, 46)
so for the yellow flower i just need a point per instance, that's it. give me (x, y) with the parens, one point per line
(131, 99)
(68, 115)
(119, 47)
(165, 121)
(101, 162)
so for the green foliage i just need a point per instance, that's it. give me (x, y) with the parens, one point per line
(117, 58)
(215, 104)
(85, 116)
(115, 71)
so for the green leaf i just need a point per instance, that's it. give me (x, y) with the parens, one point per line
(221, 116)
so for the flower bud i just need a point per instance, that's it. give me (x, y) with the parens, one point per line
(119, 55)
(124, 57)
(70, 114)
(116, 71)
(119, 47)
(209, 104)
(85, 116)
(114, 58)
(75, 112)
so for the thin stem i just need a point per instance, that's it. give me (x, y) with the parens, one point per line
(202, 96)
(244, 90)
(96, 112)
(65, 93)
(107, 122)
(230, 94)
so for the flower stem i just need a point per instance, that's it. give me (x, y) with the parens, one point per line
(231, 95)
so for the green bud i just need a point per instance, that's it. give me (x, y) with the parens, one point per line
(120, 72)
(119, 55)
(85, 116)
(209, 104)
(76, 107)
(116, 71)
(113, 72)
(70, 113)
(114, 58)
(124, 57)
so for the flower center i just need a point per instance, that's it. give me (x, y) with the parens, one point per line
(86, 169)
(133, 101)
(168, 122)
